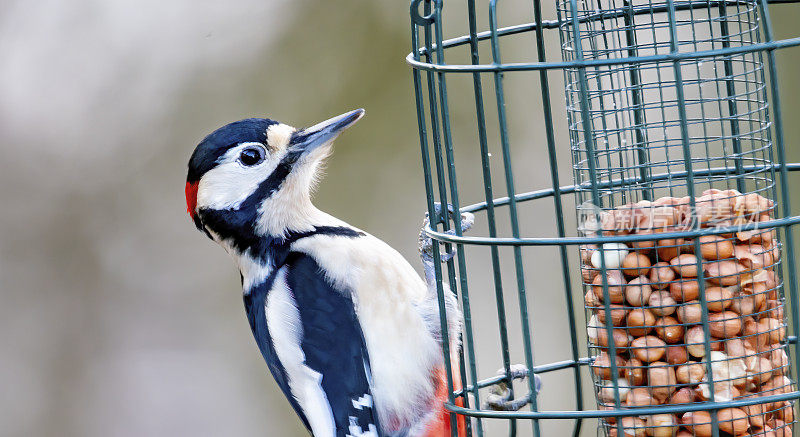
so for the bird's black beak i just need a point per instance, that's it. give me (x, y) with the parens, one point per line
(308, 139)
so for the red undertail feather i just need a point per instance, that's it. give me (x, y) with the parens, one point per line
(191, 198)
(440, 427)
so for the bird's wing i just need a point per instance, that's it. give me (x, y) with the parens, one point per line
(255, 305)
(316, 341)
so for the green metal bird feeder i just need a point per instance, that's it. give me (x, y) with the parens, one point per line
(681, 239)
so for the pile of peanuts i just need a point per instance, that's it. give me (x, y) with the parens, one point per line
(657, 318)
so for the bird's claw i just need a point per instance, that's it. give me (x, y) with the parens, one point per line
(500, 396)
(426, 243)
(500, 403)
(448, 256)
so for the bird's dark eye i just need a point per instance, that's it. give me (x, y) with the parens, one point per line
(251, 156)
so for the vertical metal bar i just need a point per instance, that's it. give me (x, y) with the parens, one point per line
(662, 83)
(590, 154)
(636, 98)
(730, 88)
(704, 123)
(788, 231)
(491, 222)
(687, 162)
(436, 134)
(487, 183)
(603, 114)
(559, 213)
(781, 266)
(786, 206)
(512, 204)
(441, 178)
(721, 111)
(451, 171)
(434, 120)
(433, 217)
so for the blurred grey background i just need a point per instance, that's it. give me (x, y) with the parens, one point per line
(118, 318)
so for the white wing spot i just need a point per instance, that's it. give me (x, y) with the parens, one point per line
(356, 431)
(363, 402)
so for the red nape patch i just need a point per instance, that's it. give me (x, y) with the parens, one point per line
(191, 198)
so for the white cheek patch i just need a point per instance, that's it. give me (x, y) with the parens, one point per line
(228, 184)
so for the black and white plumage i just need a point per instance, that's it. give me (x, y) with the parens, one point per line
(348, 329)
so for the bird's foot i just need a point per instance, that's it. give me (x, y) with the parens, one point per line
(426, 243)
(500, 396)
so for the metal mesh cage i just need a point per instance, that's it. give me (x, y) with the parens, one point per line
(635, 109)
(682, 205)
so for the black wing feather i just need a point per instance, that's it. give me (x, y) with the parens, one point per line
(333, 343)
(254, 303)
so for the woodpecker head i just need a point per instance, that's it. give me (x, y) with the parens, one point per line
(254, 177)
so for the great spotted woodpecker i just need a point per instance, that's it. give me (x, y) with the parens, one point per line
(348, 329)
